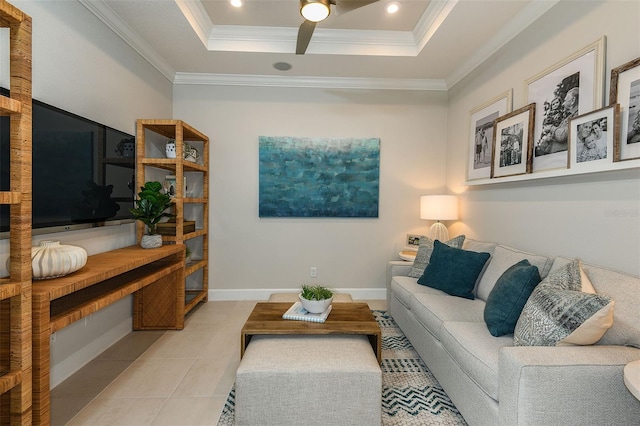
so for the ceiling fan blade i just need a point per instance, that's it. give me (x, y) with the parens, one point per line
(344, 6)
(304, 36)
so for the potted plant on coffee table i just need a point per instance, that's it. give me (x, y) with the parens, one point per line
(150, 209)
(315, 298)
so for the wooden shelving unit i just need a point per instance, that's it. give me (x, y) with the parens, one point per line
(152, 165)
(15, 292)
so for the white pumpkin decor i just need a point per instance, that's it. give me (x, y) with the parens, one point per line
(52, 259)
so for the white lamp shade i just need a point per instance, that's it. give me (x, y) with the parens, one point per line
(439, 207)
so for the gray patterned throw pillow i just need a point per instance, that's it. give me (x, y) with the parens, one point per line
(424, 254)
(556, 308)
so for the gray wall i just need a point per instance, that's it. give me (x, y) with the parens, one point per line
(594, 216)
(81, 66)
(248, 252)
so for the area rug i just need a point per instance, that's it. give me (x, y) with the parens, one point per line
(410, 393)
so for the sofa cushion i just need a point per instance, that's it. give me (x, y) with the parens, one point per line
(453, 270)
(433, 310)
(506, 300)
(479, 246)
(625, 290)
(558, 307)
(476, 352)
(405, 287)
(503, 257)
(424, 254)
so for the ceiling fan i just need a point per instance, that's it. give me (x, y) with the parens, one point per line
(314, 11)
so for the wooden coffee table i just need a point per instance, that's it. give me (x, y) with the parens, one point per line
(345, 318)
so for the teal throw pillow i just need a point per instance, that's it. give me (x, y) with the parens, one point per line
(453, 270)
(424, 254)
(508, 297)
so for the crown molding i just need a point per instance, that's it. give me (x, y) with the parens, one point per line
(309, 82)
(197, 17)
(430, 21)
(111, 19)
(326, 41)
(235, 38)
(525, 18)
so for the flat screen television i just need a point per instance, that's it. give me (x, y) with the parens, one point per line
(83, 171)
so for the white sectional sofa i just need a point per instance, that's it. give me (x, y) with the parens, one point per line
(493, 382)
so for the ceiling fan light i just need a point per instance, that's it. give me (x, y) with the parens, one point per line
(314, 10)
(392, 7)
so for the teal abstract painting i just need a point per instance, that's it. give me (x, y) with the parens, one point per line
(318, 177)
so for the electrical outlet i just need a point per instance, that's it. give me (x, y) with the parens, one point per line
(314, 272)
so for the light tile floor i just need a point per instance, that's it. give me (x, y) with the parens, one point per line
(161, 378)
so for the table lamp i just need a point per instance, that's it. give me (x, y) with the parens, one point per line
(439, 207)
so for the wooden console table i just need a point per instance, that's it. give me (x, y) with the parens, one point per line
(155, 277)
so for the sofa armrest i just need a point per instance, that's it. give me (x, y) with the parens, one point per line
(396, 268)
(568, 385)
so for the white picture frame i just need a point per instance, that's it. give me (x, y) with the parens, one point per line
(482, 119)
(591, 139)
(583, 70)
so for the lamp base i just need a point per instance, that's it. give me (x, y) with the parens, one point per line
(439, 232)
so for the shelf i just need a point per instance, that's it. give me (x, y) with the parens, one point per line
(194, 266)
(192, 298)
(129, 163)
(9, 106)
(151, 134)
(15, 292)
(8, 197)
(9, 290)
(190, 235)
(9, 381)
(170, 164)
(167, 128)
(80, 304)
(557, 173)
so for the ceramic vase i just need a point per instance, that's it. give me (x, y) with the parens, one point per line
(52, 259)
(170, 149)
(151, 241)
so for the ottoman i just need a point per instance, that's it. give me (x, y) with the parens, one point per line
(308, 380)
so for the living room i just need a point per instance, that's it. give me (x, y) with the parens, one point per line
(82, 66)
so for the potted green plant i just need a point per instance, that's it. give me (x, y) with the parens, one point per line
(150, 209)
(315, 298)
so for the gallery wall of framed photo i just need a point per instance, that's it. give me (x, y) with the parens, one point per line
(567, 126)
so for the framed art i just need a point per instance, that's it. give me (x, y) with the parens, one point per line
(481, 134)
(591, 139)
(318, 177)
(513, 133)
(625, 91)
(569, 88)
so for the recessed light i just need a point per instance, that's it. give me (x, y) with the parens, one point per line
(236, 3)
(392, 7)
(282, 66)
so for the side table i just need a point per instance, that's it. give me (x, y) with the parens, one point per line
(632, 378)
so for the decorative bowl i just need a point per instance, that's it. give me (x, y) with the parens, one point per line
(315, 306)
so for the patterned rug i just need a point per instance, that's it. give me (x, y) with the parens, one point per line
(410, 393)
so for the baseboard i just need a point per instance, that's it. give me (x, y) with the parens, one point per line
(70, 365)
(263, 293)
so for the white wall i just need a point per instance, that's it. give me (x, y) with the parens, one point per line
(81, 66)
(596, 216)
(248, 252)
